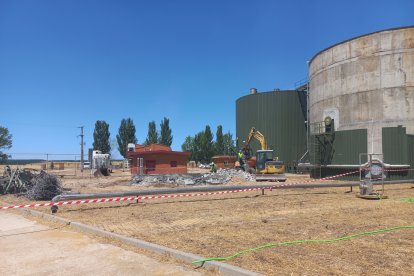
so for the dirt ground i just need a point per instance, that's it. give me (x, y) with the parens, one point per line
(219, 226)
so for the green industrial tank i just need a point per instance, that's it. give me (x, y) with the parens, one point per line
(280, 116)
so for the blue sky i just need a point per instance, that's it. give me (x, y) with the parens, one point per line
(65, 64)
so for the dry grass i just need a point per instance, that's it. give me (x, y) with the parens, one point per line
(223, 225)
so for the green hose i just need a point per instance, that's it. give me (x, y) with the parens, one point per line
(303, 241)
(408, 199)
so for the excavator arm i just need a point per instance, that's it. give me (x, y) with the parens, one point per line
(257, 135)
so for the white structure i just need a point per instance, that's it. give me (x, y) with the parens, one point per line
(100, 160)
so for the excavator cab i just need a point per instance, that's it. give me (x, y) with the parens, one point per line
(263, 156)
(266, 163)
(268, 169)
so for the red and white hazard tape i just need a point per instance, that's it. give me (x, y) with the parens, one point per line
(118, 199)
(326, 178)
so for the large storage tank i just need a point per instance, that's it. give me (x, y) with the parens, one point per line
(280, 116)
(366, 85)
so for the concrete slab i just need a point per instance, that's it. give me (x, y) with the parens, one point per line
(29, 248)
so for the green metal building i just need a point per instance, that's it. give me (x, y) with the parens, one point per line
(280, 116)
(336, 152)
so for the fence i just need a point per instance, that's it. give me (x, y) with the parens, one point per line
(57, 163)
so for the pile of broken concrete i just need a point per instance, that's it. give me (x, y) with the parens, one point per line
(222, 176)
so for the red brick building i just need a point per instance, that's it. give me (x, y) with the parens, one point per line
(157, 159)
(224, 161)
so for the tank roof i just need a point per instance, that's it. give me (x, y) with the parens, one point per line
(356, 37)
(267, 92)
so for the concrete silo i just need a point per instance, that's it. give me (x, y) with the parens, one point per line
(366, 85)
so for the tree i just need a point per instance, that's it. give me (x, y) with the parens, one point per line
(152, 137)
(126, 135)
(218, 145)
(207, 145)
(101, 137)
(165, 136)
(228, 144)
(194, 145)
(188, 145)
(202, 147)
(5, 141)
(198, 146)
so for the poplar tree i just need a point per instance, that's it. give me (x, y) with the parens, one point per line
(152, 136)
(207, 145)
(165, 135)
(101, 137)
(218, 145)
(126, 135)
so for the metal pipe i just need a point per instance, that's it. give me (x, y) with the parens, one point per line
(64, 197)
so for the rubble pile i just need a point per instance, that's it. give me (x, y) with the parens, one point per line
(222, 176)
(16, 181)
(44, 187)
(30, 183)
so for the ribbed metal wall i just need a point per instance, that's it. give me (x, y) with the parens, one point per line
(348, 145)
(410, 139)
(395, 145)
(398, 148)
(279, 117)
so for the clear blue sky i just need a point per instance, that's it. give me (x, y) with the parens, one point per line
(65, 64)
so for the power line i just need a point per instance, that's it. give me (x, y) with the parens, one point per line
(81, 136)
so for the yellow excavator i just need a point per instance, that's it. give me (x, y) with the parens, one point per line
(265, 165)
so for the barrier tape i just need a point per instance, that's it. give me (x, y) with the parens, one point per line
(119, 199)
(326, 178)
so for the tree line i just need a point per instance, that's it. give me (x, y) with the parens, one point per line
(126, 135)
(202, 145)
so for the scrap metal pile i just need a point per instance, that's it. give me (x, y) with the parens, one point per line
(222, 176)
(30, 183)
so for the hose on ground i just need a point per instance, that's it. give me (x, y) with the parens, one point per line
(303, 241)
(408, 199)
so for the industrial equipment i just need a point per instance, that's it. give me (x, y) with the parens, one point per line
(100, 163)
(370, 172)
(265, 165)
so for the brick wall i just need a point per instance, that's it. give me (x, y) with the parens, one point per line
(160, 163)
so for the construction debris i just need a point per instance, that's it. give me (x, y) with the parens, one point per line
(30, 183)
(222, 176)
(44, 187)
(16, 181)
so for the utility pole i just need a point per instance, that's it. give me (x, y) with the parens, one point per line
(81, 143)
